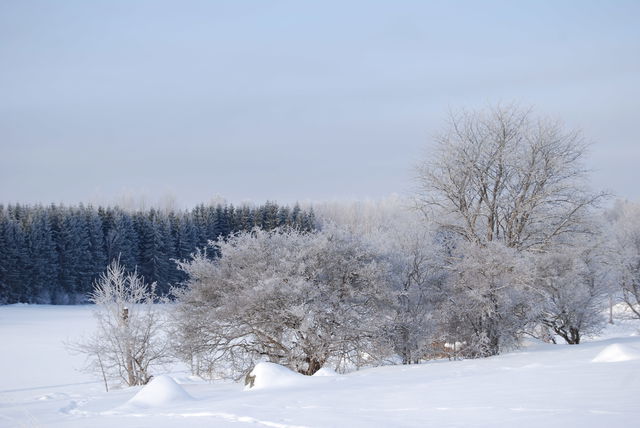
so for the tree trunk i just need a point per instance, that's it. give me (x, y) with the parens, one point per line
(128, 351)
(571, 336)
(313, 365)
(610, 309)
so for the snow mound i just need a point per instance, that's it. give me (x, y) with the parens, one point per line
(271, 375)
(325, 371)
(162, 390)
(616, 353)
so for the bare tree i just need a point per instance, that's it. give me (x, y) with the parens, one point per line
(505, 175)
(128, 341)
(506, 183)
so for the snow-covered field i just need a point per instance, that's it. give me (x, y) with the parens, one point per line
(591, 385)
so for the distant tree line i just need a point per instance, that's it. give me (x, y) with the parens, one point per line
(53, 254)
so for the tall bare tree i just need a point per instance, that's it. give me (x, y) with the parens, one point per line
(505, 175)
(506, 183)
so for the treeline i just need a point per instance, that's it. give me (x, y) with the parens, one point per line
(54, 254)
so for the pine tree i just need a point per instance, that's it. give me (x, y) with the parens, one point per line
(75, 259)
(284, 217)
(245, 219)
(232, 218)
(15, 262)
(269, 216)
(184, 235)
(4, 287)
(199, 216)
(85, 269)
(156, 250)
(222, 227)
(167, 269)
(308, 222)
(96, 242)
(43, 257)
(296, 216)
(122, 241)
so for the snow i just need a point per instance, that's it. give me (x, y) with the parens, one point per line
(161, 391)
(589, 385)
(270, 375)
(617, 352)
(35, 336)
(325, 371)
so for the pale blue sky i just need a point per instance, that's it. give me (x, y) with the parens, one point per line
(294, 100)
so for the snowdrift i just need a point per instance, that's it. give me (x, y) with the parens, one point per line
(325, 372)
(616, 353)
(161, 391)
(271, 375)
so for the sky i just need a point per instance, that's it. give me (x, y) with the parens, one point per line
(191, 101)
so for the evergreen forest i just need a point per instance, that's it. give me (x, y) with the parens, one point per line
(54, 254)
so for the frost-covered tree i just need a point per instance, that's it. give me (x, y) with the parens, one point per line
(505, 175)
(416, 273)
(415, 279)
(128, 342)
(508, 185)
(486, 298)
(294, 298)
(574, 286)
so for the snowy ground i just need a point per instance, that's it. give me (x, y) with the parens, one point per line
(591, 385)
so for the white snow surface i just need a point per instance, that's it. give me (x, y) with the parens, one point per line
(160, 391)
(589, 385)
(325, 371)
(270, 375)
(617, 352)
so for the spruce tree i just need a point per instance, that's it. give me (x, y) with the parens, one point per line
(15, 262)
(96, 242)
(4, 287)
(43, 257)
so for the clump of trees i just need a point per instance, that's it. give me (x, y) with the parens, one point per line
(508, 245)
(506, 242)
